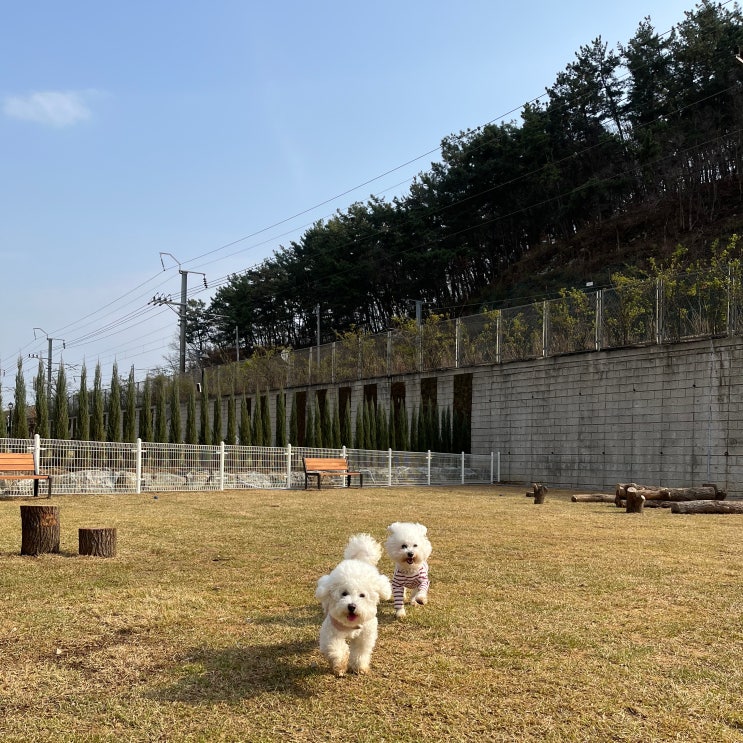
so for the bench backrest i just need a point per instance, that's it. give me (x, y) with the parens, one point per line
(324, 463)
(17, 462)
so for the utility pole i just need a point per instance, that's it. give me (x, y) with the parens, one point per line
(50, 342)
(317, 309)
(182, 305)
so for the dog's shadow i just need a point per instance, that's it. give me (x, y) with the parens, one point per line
(248, 669)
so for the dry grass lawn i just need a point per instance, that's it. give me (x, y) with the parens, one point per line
(555, 622)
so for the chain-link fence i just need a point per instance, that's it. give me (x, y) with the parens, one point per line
(106, 467)
(638, 312)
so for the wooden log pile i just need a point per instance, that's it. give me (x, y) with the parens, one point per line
(707, 506)
(660, 495)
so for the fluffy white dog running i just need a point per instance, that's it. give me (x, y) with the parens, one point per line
(408, 547)
(349, 596)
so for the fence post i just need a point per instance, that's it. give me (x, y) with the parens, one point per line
(389, 353)
(599, 330)
(288, 466)
(428, 466)
(138, 465)
(332, 364)
(457, 341)
(221, 465)
(545, 330)
(462, 468)
(37, 450)
(659, 311)
(492, 463)
(389, 467)
(498, 334)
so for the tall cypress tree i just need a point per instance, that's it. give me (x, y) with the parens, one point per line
(217, 435)
(245, 433)
(346, 438)
(61, 422)
(174, 435)
(232, 419)
(42, 403)
(192, 433)
(20, 410)
(335, 428)
(130, 408)
(309, 426)
(113, 432)
(98, 431)
(266, 420)
(294, 423)
(205, 431)
(281, 419)
(403, 436)
(145, 413)
(256, 432)
(83, 407)
(358, 435)
(319, 437)
(161, 411)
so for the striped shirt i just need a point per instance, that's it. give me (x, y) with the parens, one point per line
(400, 582)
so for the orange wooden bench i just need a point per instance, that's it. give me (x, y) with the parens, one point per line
(320, 467)
(21, 466)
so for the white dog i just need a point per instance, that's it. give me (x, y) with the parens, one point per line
(349, 596)
(408, 547)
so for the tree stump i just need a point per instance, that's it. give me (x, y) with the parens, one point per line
(635, 500)
(39, 530)
(97, 542)
(539, 492)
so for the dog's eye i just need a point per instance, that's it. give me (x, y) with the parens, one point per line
(415, 545)
(345, 593)
(362, 595)
(405, 546)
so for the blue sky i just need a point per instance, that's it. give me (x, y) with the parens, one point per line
(215, 132)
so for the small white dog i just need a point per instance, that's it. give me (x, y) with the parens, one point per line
(408, 547)
(349, 596)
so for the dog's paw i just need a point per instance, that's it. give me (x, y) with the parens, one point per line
(420, 599)
(400, 613)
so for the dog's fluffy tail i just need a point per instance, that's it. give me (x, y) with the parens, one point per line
(363, 547)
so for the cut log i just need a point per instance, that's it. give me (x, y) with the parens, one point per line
(539, 492)
(703, 492)
(592, 498)
(99, 542)
(39, 530)
(707, 506)
(635, 501)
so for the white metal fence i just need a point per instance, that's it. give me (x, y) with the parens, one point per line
(106, 467)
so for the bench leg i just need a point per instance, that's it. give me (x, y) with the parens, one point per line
(36, 488)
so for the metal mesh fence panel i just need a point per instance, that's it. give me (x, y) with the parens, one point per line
(106, 467)
(521, 333)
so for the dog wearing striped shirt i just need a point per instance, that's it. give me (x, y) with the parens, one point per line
(408, 547)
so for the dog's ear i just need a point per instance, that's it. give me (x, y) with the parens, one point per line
(323, 587)
(423, 530)
(391, 528)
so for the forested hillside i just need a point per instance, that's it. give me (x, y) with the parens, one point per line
(631, 152)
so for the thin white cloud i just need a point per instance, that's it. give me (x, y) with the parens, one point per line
(54, 108)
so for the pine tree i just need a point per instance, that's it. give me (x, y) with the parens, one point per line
(174, 434)
(192, 434)
(245, 424)
(98, 430)
(281, 419)
(61, 423)
(42, 403)
(145, 413)
(205, 432)
(83, 407)
(113, 432)
(130, 408)
(20, 411)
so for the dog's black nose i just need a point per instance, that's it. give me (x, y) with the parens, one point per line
(411, 554)
(351, 608)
